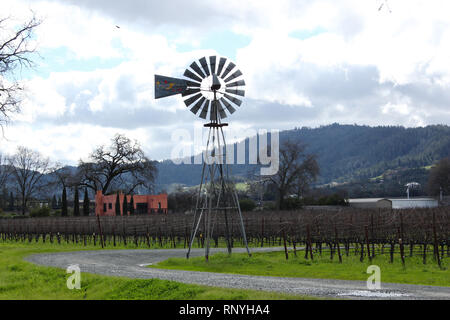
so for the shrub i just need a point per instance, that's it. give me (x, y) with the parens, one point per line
(328, 200)
(269, 205)
(291, 204)
(247, 204)
(56, 213)
(40, 212)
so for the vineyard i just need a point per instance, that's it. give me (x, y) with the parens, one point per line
(367, 232)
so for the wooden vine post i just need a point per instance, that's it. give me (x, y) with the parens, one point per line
(436, 244)
(337, 243)
(100, 231)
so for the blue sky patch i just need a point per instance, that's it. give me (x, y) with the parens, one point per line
(305, 34)
(63, 60)
(225, 42)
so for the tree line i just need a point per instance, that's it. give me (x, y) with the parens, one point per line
(121, 165)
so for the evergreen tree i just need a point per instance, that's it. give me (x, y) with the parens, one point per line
(131, 206)
(86, 203)
(76, 203)
(64, 203)
(54, 203)
(5, 199)
(117, 204)
(125, 206)
(11, 202)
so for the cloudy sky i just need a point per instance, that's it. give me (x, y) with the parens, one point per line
(305, 63)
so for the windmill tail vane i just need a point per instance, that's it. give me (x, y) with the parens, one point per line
(167, 86)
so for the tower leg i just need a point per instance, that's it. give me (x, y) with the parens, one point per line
(215, 195)
(244, 236)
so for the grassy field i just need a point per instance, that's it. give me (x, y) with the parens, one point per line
(23, 280)
(275, 264)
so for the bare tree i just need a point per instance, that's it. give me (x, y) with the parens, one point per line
(439, 178)
(122, 165)
(62, 176)
(296, 171)
(27, 169)
(15, 53)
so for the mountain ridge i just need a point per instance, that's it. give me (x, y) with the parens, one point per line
(345, 153)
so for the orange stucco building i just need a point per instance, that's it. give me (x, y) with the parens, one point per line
(143, 204)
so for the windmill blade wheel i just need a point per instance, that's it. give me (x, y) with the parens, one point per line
(215, 87)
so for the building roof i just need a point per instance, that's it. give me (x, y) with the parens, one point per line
(361, 200)
(410, 199)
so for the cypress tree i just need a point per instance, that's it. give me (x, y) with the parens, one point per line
(125, 205)
(76, 203)
(4, 199)
(54, 203)
(131, 206)
(86, 203)
(117, 204)
(64, 203)
(11, 202)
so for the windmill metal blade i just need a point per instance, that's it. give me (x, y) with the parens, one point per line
(204, 65)
(192, 99)
(235, 84)
(188, 73)
(230, 67)
(204, 110)
(236, 92)
(234, 75)
(188, 92)
(167, 86)
(222, 113)
(197, 106)
(212, 64)
(197, 69)
(221, 64)
(229, 107)
(192, 84)
(236, 101)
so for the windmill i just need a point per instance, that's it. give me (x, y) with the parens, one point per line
(212, 88)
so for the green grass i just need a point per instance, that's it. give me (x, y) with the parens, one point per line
(20, 279)
(275, 264)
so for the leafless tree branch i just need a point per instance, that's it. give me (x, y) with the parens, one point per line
(16, 52)
(122, 165)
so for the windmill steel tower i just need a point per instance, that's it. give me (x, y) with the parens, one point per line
(211, 88)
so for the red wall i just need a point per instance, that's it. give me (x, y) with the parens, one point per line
(152, 202)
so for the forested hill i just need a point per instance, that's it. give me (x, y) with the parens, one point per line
(347, 152)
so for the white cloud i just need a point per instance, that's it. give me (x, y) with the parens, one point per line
(354, 64)
(395, 108)
(67, 143)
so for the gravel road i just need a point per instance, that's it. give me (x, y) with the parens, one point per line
(132, 263)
